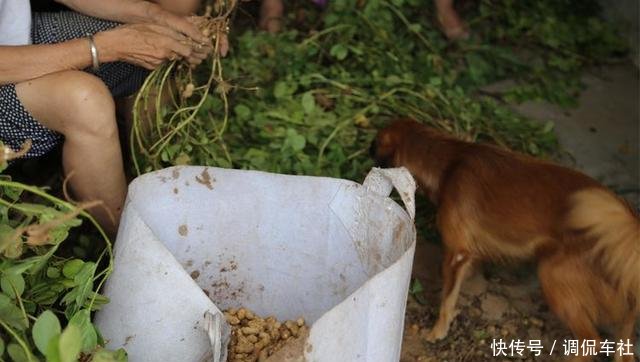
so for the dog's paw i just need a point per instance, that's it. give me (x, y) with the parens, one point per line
(435, 334)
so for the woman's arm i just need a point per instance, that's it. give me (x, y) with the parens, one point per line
(146, 45)
(135, 11)
(21, 63)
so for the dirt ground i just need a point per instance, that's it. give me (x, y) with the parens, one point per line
(495, 303)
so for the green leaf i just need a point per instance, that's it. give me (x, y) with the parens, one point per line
(53, 349)
(70, 343)
(295, 140)
(72, 267)
(11, 314)
(308, 102)
(480, 334)
(53, 273)
(417, 290)
(12, 284)
(1, 346)
(82, 320)
(435, 81)
(182, 159)
(98, 300)
(478, 68)
(339, 51)
(38, 209)
(103, 355)
(242, 112)
(10, 246)
(164, 155)
(281, 90)
(416, 287)
(61, 232)
(6, 232)
(16, 353)
(44, 329)
(84, 280)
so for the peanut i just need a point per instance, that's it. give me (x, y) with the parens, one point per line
(255, 339)
(242, 313)
(250, 330)
(250, 315)
(233, 320)
(244, 347)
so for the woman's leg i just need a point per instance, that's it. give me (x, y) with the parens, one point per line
(452, 26)
(80, 106)
(271, 13)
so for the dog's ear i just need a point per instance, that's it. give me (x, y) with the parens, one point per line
(380, 143)
(383, 148)
(384, 139)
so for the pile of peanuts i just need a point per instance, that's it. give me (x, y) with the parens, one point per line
(254, 339)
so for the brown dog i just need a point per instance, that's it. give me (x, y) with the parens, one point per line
(501, 206)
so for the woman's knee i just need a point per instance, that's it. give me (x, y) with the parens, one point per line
(94, 107)
(88, 95)
(70, 102)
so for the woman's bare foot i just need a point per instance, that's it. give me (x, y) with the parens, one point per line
(452, 26)
(271, 13)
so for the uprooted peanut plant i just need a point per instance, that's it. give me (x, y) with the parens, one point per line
(39, 285)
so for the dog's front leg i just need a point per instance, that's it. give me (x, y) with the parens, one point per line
(455, 266)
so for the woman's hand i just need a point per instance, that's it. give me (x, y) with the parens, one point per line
(181, 24)
(148, 45)
(187, 25)
(223, 43)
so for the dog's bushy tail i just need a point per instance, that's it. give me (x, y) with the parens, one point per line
(615, 228)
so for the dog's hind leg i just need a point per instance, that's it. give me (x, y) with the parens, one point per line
(566, 285)
(625, 335)
(455, 266)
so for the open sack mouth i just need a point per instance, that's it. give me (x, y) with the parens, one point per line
(194, 239)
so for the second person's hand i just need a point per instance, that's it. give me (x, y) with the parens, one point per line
(181, 24)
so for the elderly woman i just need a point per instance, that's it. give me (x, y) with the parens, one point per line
(60, 72)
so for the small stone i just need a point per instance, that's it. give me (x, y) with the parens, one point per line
(474, 285)
(534, 333)
(414, 329)
(536, 322)
(494, 307)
